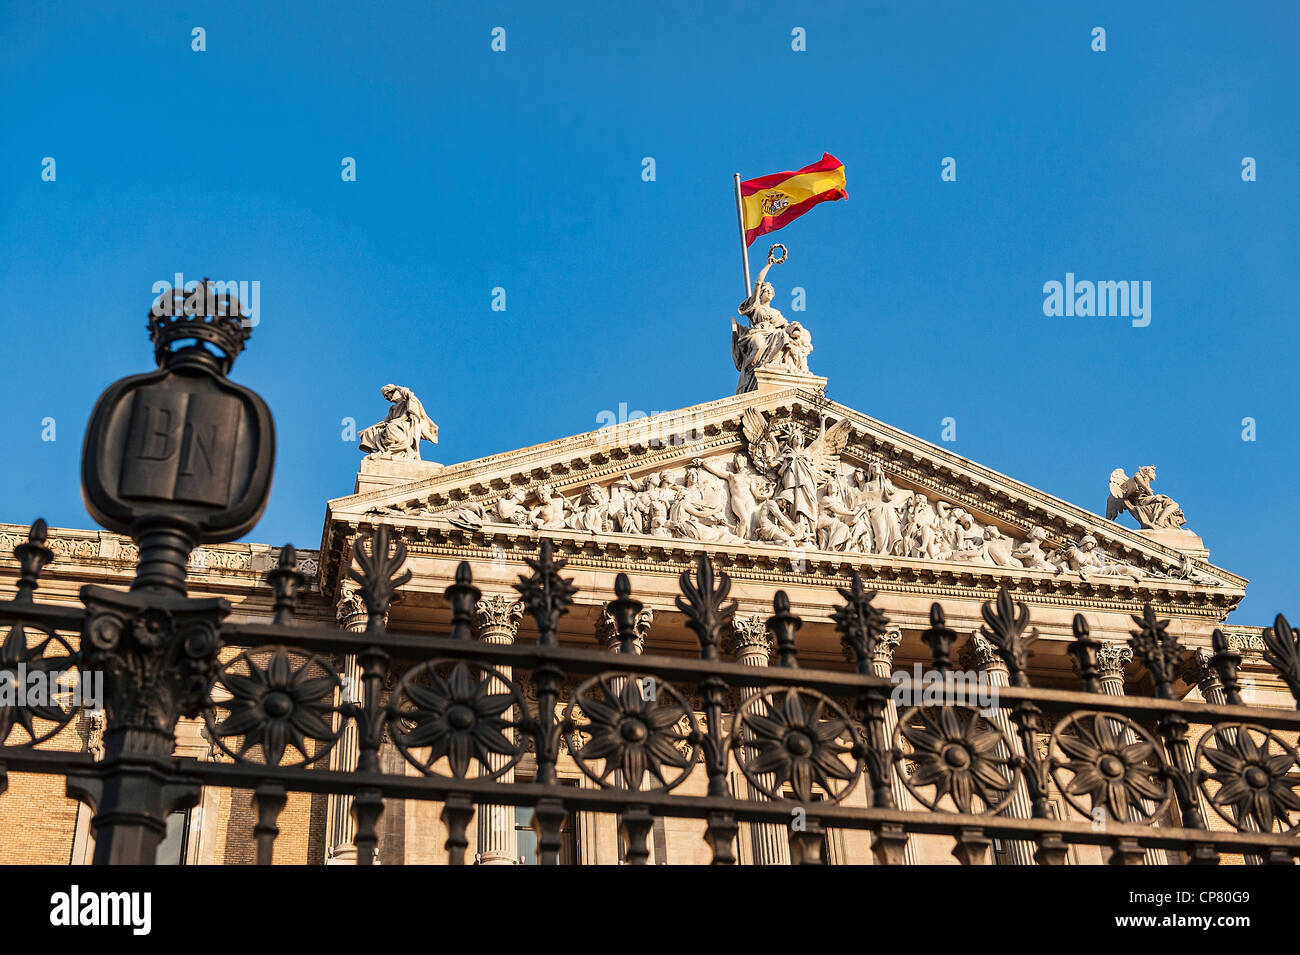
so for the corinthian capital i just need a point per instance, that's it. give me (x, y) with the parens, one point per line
(885, 647)
(977, 653)
(496, 618)
(749, 640)
(350, 611)
(1197, 670)
(607, 629)
(1112, 658)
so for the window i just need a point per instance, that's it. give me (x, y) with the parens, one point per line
(171, 851)
(526, 838)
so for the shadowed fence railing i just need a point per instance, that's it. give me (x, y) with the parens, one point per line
(181, 456)
(640, 726)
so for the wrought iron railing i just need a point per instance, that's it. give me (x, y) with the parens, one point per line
(638, 727)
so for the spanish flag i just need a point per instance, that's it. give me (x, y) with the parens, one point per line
(774, 201)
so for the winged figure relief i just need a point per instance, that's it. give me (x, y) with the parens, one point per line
(797, 469)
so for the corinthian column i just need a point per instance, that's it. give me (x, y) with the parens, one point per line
(752, 644)
(1112, 659)
(882, 664)
(978, 654)
(496, 620)
(340, 827)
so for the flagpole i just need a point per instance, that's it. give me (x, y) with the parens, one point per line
(744, 249)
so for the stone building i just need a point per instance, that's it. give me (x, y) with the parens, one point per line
(782, 488)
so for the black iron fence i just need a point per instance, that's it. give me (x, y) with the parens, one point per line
(1142, 772)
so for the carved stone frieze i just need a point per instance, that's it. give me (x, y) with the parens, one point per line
(795, 494)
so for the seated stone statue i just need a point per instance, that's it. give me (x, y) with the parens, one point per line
(398, 436)
(1134, 494)
(769, 340)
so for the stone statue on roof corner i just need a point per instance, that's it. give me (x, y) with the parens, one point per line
(769, 340)
(1134, 494)
(398, 436)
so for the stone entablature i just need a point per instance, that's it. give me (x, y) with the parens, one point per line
(93, 546)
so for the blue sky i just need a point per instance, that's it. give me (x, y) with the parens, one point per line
(522, 170)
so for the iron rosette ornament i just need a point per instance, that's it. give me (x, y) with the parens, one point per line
(274, 706)
(798, 738)
(635, 724)
(1252, 781)
(1115, 762)
(36, 669)
(957, 753)
(36, 662)
(447, 716)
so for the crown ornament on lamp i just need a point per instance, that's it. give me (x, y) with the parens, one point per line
(196, 318)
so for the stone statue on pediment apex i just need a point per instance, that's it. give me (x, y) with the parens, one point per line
(398, 436)
(769, 340)
(1134, 494)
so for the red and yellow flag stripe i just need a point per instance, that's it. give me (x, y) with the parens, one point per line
(773, 202)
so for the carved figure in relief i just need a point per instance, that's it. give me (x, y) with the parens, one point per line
(772, 524)
(744, 488)
(850, 496)
(1134, 494)
(550, 514)
(835, 520)
(592, 514)
(398, 436)
(507, 509)
(999, 548)
(798, 470)
(1086, 559)
(698, 512)
(1030, 551)
(919, 532)
(883, 501)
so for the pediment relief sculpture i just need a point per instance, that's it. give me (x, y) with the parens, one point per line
(786, 491)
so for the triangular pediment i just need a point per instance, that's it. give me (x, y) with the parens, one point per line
(819, 484)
